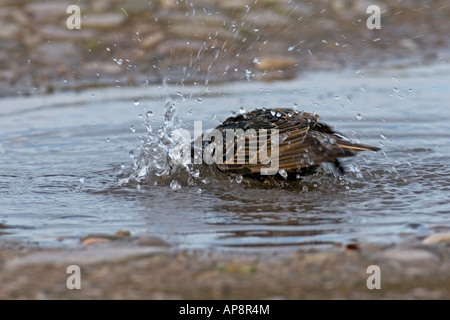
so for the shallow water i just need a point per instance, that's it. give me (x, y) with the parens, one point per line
(64, 158)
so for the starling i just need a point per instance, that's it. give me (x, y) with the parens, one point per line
(303, 144)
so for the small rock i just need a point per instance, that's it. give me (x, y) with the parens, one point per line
(234, 4)
(180, 47)
(410, 255)
(98, 238)
(9, 31)
(152, 40)
(102, 68)
(47, 11)
(199, 31)
(123, 233)
(9, 45)
(138, 6)
(57, 33)
(437, 238)
(95, 240)
(275, 63)
(103, 21)
(63, 53)
(409, 44)
(152, 241)
(352, 246)
(265, 19)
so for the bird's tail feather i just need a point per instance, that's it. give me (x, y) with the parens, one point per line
(356, 147)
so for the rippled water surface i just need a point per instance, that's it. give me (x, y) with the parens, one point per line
(66, 160)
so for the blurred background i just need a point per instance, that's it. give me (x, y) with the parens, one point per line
(133, 42)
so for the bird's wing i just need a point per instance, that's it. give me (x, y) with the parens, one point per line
(258, 149)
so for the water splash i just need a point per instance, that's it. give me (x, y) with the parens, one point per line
(155, 160)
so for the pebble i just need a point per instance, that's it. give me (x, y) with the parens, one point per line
(152, 241)
(180, 47)
(199, 31)
(61, 33)
(95, 240)
(410, 255)
(60, 52)
(437, 238)
(9, 31)
(275, 63)
(104, 238)
(133, 7)
(47, 11)
(103, 20)
(152, 40)
(266, 18)
(234, 4)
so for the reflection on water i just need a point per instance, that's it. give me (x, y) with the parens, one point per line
(65, 169)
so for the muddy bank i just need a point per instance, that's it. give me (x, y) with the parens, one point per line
(139, 42)
(129, 270)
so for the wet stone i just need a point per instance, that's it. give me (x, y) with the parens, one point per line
(103, 21)
(47, 11)
(410, 255)
(9, 31)
(65, 53)
(61, 33)
(234, 4)
(180, 47)
(138, 6)
(437, 238)
(198, 31)
(152, 40)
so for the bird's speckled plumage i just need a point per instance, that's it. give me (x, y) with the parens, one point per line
(304, 142)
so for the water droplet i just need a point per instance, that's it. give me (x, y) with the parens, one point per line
(175, 185)
(136, 102)
(410, 90)
(395, 89)
(108, 139)
(256, 30)
(243, 110)
(278, 114)
(118, 61)
(272, 112)
(108, 49)
(133, 129)
(248, 74)
(359, 116)
(149, 114)
(283, 173)
(238, 178)
(256, 61)
(81, 180)
(131, 154)
(291, 48)
(199, 100)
